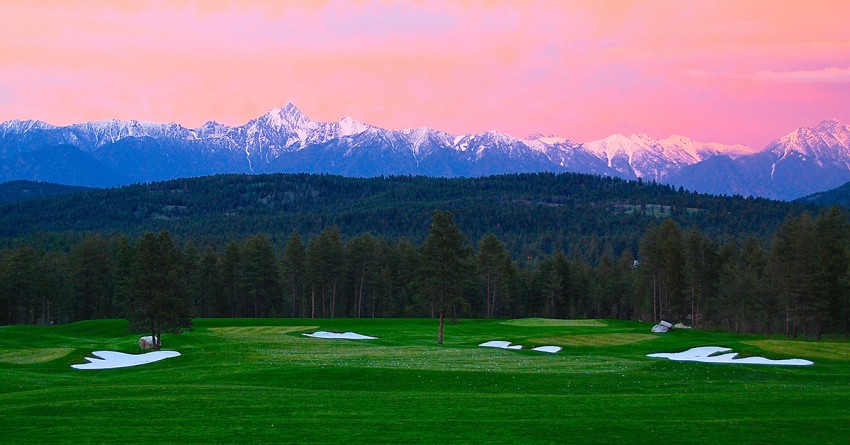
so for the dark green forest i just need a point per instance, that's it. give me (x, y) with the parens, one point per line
(13, 191)
(543, 245)
(585, 216)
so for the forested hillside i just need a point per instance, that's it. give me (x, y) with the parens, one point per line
(14, 191)
(837, 196)
(561, 246)
(533, 214)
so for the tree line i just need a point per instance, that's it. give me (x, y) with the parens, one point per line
(797, 283)
(532, 214)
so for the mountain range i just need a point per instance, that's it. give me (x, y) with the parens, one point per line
(111, 153)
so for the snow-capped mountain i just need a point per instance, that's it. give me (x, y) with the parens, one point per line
(828, 143)
(16, 126)
(640, 156)
(805, 161)
(107, 153)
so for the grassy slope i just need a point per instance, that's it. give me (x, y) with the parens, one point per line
(261, 381)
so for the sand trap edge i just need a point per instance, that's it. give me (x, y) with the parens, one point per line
(339, 335)
(708, 354)
(114, 360)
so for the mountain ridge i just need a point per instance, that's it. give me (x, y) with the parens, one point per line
(286, 140)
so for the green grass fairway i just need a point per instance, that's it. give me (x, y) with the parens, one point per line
(262, 381)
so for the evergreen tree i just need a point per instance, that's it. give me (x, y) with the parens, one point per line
(445, 271)
(553, 281)
(209, 285)
(495, 272)
(91, 269)
(700, 272)
(191, 267)
(743, 302)
(662, 264)
(123, 261)
(832, 231)
(261, 276)
(56, 305)
(399, 295)
(232, 282)
(324, 270)
(798, 252)
(293, 274)
(363, 254)
(19, 281)
(160, 302)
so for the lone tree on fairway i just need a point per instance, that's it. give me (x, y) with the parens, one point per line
(446, 268)
(160, 302)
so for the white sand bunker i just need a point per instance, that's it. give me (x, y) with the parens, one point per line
(707, 354)
(112, 359)
(507, 345)
(340, 335)
(549, 349)
(500, 344)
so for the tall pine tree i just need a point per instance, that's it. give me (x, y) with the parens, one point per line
(446, 269)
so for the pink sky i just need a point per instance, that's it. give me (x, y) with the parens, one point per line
(718, 71)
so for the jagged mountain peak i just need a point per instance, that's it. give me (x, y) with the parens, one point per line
(831, 126)
(131, 126)
(291, 110)
(212, 124)
(619, 143)
(288, 116)
(348, 126)
(495, 136)
(702, 150)
(830, 138)
(213, 129)
(551, 139)
(25, 125)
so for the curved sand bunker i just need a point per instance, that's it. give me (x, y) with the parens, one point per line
(549, 349)
(340, 335)
(112, 359)
(500, 344)
(706, 354)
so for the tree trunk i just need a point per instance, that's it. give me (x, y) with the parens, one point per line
(324, 301)
(696, 314)
(360, 291)
(440, 333)
(313, 302)
(654, 298)
(488, 304)
(693, 303)
(292, 296)
(155, 335)
(493, 301)
(157, 341)
(333, 300)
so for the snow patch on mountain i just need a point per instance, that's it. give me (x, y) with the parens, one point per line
(808, 157)
(645, 157)
(18, 126)
(826, 144)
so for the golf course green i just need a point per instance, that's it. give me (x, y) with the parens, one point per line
(263, 381)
